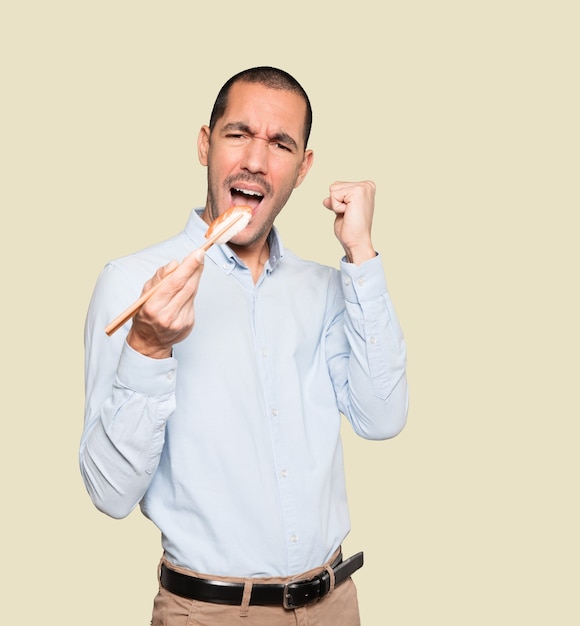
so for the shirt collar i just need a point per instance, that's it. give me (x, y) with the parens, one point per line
(222, 254)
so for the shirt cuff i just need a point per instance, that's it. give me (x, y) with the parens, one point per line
(363, 282)
(153, 377)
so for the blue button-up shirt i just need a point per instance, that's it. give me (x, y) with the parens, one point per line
(232, 446)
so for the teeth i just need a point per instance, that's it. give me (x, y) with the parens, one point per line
(247, 192)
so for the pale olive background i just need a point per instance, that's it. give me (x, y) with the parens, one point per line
(466, 116)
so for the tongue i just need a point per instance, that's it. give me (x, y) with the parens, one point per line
(242, 199)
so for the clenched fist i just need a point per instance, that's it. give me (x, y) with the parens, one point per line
(353, 204)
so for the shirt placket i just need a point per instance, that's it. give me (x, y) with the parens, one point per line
(272, 376)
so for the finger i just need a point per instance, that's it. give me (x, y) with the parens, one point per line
(182, 284)
(335, 203)
(342, 193)
(159, 275)
(343, 188)
(192, 263)
(195, 257)
(179, 283)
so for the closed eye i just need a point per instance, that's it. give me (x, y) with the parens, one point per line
(280, 146)
(236, 136)
(238, 133)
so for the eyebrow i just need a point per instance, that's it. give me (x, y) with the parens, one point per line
(282, 137)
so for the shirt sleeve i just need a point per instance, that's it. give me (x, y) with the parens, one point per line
(367, 353)
(129, 398)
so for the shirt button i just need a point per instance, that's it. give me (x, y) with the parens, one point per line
(170, 374)
(294, 538)
(275, 412)
(347, 281)
(283, 473)
(373, 340)
(361, 282)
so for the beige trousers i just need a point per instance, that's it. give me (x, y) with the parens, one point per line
(338, 608)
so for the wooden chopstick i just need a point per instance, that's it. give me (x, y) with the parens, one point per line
(130, 311)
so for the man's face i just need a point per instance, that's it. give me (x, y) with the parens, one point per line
(255, 156)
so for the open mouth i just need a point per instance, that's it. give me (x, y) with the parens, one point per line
(247, 197)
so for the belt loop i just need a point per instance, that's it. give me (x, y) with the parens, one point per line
(245, 606)
(330, 571)
(159, 570)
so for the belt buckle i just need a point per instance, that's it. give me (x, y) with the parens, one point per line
(288, 601)
(287, 598)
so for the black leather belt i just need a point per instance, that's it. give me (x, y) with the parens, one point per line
(294, 594)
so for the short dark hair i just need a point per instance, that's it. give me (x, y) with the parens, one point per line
(270, 77)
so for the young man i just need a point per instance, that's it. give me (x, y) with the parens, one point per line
(217, 409)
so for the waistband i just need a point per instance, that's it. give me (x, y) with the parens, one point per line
(292, 594)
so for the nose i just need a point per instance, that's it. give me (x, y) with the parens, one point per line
(255, 157)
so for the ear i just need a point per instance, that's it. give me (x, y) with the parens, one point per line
(304, 167)
(203, 144)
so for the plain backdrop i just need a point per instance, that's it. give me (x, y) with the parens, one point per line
(466, 116)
